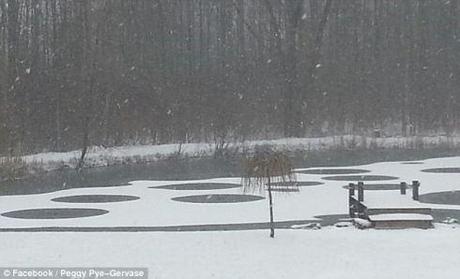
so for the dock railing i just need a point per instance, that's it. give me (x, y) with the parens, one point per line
(356, 205)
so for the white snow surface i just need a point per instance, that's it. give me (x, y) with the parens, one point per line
(400, 216)
(328, 253)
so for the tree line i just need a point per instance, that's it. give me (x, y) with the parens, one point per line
(112, 72)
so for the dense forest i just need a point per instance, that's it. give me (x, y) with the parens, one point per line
(112, 72)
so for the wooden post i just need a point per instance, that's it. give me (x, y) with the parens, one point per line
(415, 190)
(351, 200)
(351, 189)
(360, 191)
(351, 207)
(270, 200)
(403, 186)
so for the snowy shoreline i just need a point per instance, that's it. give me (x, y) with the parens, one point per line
(101, 157)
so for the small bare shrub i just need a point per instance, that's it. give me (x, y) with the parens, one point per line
(12, 168)
(263, 168)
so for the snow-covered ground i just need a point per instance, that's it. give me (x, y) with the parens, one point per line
(327, 253)
(330, 252)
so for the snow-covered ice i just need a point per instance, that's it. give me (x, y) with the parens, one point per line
(155, 207)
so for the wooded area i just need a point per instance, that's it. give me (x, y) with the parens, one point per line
(111, 72)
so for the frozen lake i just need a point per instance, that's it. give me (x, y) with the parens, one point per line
(219, 202)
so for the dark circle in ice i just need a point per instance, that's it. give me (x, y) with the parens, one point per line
(449, 197)
(360, 177)
(297, 183)
(443, 170)
(198, 186)
(54, 213)
(332, 171)
(219, 198)
(95, 198)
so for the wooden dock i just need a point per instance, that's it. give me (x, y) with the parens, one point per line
(389, 209)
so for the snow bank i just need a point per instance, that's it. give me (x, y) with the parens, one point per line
(99, 156)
